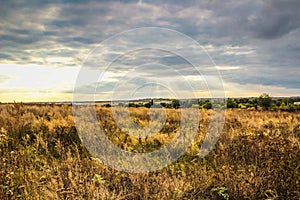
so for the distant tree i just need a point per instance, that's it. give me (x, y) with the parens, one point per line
(278, 102)
(132, 105)
(166, 105)
(147, 105)
(292, 108)
(175, 103)
(265, 101)
(255, 102)
(152, 102)
(139, 105)
(287, 101)
(208, 105)
(274, 107)
(244, 100)
(163, 104)
(231, 103)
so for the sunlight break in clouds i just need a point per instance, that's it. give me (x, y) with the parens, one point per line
(36, 83)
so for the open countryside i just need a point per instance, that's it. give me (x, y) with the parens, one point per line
(256, 156)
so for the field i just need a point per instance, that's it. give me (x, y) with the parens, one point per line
(42, 157)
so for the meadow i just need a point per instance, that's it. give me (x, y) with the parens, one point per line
(42, 157)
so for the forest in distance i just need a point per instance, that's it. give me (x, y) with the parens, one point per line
(263, 102)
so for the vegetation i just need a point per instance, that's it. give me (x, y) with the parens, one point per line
(263, 102)
(256, 157)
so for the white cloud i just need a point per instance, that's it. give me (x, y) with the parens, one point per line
(58, 59)
(228, 67)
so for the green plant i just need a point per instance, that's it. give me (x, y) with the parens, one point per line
(98, 178)
(219, 193)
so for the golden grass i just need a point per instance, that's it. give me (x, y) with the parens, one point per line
(42, 157)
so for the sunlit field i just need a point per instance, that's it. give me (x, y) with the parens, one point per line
(42, 157)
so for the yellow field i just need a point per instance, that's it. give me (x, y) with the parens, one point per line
(42, 157)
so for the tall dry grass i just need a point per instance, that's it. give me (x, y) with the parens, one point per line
(42, 157)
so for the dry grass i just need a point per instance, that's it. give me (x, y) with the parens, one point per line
(256, 157)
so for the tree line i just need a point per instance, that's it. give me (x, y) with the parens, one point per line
(263, 102)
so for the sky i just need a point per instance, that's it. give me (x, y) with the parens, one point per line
(105, 50)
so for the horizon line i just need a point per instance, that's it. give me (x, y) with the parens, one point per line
(141, 99)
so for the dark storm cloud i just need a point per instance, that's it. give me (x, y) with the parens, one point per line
(276, 19)
(262, 37)
(267, 19)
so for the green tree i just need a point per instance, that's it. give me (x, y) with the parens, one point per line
(265, 101)
(149, 104)
(208, 105)
(231, 103)
(175, 103)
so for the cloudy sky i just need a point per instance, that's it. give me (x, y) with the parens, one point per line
(248, 47)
